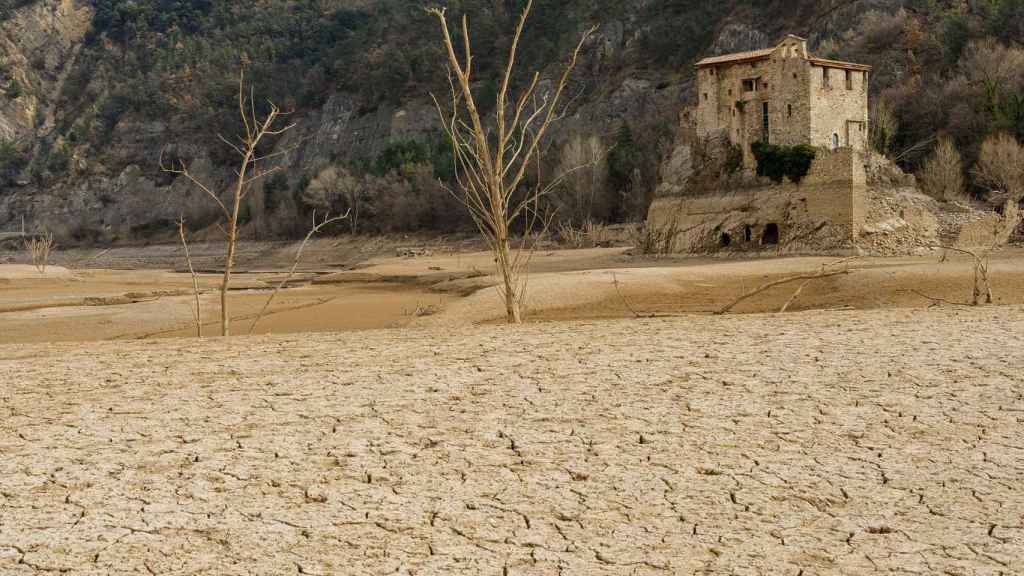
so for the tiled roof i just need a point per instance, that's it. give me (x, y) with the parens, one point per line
(838, 64)
(737, 57)
(756, 55)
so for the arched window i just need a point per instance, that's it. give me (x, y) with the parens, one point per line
(835, 141)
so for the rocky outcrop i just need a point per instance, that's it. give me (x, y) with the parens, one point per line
(38, 46)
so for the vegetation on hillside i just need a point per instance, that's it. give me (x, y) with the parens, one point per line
(941, 68)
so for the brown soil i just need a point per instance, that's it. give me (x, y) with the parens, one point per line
(453, 288)
(826, 443)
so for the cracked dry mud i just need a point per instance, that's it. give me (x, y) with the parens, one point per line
(815, 443)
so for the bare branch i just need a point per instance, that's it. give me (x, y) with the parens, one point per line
(317, 227)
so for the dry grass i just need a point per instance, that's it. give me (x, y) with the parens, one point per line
(39, 249)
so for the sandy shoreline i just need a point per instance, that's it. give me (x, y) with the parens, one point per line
(455, 289)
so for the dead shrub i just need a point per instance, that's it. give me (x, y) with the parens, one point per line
(570, 235)
(39, 249)
(1000, 168)
(942, 176)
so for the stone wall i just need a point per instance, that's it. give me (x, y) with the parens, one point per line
(836, 110)
(825, 211)
(790, 95)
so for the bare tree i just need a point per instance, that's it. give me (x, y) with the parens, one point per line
(491, 166)
(982, 290)
(1000, 168)
(39, 249)
(996, 68)
(253, 166)
(198, 312)
(942, 176)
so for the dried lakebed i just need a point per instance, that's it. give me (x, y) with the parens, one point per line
(812, 443)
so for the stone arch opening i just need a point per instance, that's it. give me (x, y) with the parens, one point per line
(770, 237)
(725, 240)
(748, 233)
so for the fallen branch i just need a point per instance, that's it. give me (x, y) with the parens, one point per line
(625, 302)
(936, 301)
(824, 268)
(795, 296)
(295, 265)
(770, 285)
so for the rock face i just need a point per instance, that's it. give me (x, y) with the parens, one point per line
(38, 46)
(119, 191)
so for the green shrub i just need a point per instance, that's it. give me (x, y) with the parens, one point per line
(13, 90)
(778, 162)
(400, 157)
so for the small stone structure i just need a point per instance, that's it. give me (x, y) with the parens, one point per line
(826, 209)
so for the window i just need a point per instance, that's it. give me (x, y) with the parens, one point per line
(789, 110)
(849, 80)
(705, 96)
(750, 85)
(764, 121)
(835, 141)
(826, 81)
(730, 91)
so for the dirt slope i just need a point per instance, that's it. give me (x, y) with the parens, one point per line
(811, 443)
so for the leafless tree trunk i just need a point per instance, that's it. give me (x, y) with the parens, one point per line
(251, 168)
(982, 291)
(491, 166)
(195, 278)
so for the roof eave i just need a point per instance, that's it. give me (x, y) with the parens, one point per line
(840, 64)
(703, 64)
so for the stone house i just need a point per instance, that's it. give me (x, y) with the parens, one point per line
(783, 95)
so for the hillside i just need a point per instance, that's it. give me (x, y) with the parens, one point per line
(91, 91)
